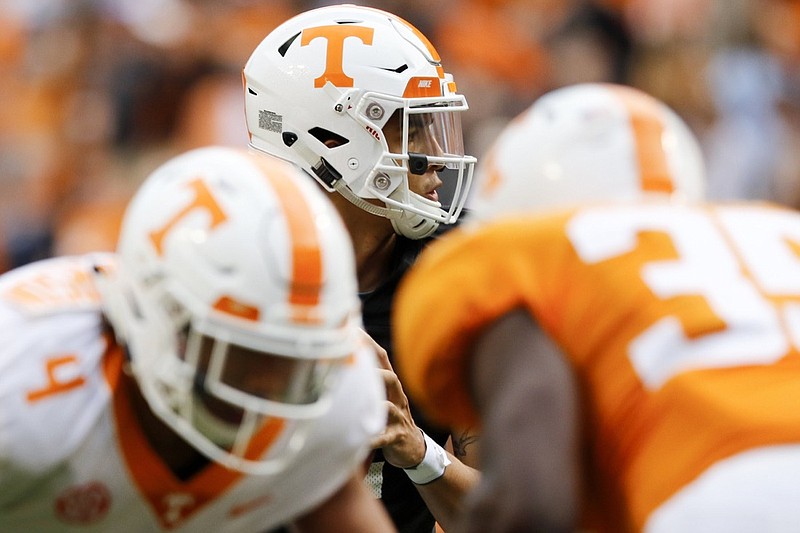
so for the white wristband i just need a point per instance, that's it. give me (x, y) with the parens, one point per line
(432, 466)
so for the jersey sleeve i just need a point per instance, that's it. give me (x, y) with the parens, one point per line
(50, 348)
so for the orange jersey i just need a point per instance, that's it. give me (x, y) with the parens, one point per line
(682, 325)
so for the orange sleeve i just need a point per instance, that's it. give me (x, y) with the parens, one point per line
(460, 285)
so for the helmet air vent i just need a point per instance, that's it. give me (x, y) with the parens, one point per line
(398, 70)
(327, 137)
(285, 46)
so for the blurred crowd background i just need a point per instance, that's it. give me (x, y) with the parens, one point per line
(94, 94)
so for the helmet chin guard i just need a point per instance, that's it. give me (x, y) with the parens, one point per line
(412, 224)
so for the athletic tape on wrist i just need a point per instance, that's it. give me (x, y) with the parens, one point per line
(432, 466)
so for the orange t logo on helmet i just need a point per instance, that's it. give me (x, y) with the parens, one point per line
(203, 198)
(335, 36)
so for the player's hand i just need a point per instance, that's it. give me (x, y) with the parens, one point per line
(402, 441)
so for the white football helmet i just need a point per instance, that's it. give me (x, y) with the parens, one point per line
(584, 143)
(235, 294)
(321, 87)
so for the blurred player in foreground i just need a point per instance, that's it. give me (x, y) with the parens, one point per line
(631, 353)
(209, 376)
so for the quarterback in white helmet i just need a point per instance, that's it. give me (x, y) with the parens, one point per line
(358, 98)
(210, 376)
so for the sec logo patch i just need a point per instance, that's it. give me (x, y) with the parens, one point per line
(83, 504)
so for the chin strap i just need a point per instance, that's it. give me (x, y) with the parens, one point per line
(410, 225)
(342, 188)
(405, 223)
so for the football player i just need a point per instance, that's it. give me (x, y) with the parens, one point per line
(212, 375)
(359, 99)
(630, 351)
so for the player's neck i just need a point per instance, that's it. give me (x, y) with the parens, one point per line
(373, 260)
(373, 241)
(178, 455)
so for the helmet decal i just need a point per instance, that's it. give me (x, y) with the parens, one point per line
(202, 199)
(306, 282)
(422, 86)
(335, 37)
(233, 307)
(648, 124)
(431, 50)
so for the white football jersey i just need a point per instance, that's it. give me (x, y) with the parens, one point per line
(73, 457)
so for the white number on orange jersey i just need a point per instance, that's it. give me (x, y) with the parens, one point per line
(735, 258)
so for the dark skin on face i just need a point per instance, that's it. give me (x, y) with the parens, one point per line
(260, 374)
(256, 373)
(351, 508)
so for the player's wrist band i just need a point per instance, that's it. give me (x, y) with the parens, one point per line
(432, 466)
